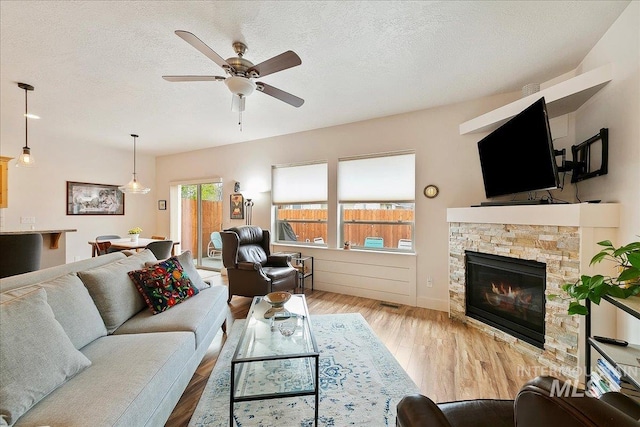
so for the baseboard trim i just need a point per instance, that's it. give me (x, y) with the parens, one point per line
(433, 304)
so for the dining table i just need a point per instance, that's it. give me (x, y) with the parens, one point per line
(127, 244)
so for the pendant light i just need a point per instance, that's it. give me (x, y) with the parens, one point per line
(134, 187)
(26, 158)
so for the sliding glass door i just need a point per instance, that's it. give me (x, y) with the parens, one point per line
(201, 222)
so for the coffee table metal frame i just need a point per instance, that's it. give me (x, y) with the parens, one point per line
(239, 363)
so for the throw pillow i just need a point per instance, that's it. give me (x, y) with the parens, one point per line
(163, 285)
(35, 354)
(112, 290)
(74, 309)
(189, 268)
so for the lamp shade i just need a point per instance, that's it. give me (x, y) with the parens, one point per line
(26, 159)
(134, 187)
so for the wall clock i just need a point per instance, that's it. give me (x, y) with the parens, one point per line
(431, 191)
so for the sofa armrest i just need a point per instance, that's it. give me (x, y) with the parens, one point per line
(279, 261)
(417, 410)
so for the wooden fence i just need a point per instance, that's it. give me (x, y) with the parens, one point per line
(390, 224)
(211, 221)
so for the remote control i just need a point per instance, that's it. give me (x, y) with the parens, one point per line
(613, 341)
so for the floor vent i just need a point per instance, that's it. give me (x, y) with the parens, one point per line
(389, 304)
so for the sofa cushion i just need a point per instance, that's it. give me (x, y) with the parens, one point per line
(197, 315)
(74, 309)
(163, 285)
(113, 291)
(186, 260)
(130, 378)
(36, 354)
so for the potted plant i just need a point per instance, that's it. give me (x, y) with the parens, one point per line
(134, 233)
(593, 288)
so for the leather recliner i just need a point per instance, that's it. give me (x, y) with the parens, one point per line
(537, 404)
(251, 269)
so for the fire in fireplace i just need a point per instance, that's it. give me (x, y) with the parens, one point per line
(507, 293)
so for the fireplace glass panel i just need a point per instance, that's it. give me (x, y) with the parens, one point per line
(507, 293)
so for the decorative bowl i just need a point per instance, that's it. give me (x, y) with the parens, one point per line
(277, 299)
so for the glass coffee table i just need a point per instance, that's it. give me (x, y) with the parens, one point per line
(277, 356)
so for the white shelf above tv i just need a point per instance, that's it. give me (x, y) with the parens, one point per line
(562, 98)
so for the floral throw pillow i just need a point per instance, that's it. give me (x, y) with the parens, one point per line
(163, 285)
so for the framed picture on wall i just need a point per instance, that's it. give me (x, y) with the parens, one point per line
(84, 198)
(237, 206)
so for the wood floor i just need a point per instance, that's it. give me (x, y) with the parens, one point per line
(445, 358)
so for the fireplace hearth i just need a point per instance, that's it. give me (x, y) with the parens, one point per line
(508, 294)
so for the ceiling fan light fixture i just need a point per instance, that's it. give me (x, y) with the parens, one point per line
(240, 85)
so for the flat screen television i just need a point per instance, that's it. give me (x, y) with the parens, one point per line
(518, 157)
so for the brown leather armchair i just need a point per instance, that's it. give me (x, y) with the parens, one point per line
(250, 268)
(534, 406)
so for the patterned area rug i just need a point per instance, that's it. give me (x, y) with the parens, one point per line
(360, 383)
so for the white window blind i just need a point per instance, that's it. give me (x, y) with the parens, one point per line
(299, 184)
(377, 179)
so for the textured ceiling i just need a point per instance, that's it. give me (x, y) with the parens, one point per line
(97, 65)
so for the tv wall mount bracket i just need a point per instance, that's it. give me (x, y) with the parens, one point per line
(581, 167)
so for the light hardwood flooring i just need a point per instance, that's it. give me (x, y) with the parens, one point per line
(446, 359)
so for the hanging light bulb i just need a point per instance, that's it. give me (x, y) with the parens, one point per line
(26, 158)
(134, 187)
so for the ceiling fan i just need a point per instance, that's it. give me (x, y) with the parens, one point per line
(241, 72)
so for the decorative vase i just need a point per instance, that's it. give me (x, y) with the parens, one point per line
(134, 237)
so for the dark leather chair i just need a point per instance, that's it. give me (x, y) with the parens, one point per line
(161, 249)
(535, 405)
(21, 253)
(251, 269)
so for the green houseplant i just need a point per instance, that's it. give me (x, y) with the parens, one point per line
(593, 288)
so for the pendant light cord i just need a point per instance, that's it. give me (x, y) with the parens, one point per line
(134, 155)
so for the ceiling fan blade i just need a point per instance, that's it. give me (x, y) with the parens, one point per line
(279, 94)
(203, 48)
(193, 78)
(280, 62)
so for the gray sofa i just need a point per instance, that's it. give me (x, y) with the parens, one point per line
(78, 345)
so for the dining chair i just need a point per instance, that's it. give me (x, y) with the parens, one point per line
(405, 244)
(21, 253)
(214, 249)
(373, 242)
(103, 245)
(161, 248)
(159, 237)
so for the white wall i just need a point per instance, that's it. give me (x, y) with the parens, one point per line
(617, 107)
(41, 191)
(443, 157)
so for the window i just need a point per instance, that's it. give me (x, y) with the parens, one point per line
(377, 201)
(300, 198)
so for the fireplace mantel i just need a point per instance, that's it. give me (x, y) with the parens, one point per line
(601, 215)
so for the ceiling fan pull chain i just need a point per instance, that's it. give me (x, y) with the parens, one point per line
(240, 119)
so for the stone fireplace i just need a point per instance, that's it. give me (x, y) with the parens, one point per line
(558, 241)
